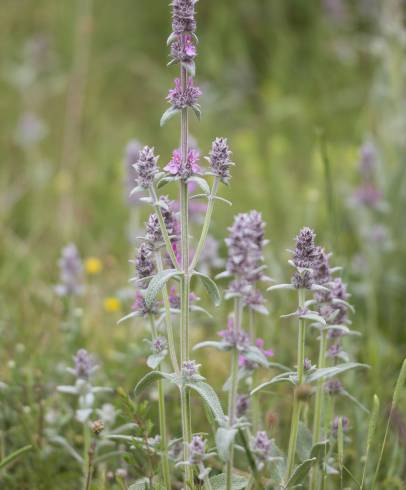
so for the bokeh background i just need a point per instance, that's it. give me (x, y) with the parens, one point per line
(303, 89)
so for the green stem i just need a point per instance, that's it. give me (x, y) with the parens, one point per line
(162, 422)
(86, 454)
(206, 224)
(296, 403)
(232, 394)
(185, 288)
(162, 225)
(168, 319)
(255, 406)
(318, 405)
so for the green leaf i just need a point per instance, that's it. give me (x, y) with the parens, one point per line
(218, 482)
(224, 439)
(202, 183)
(277, 466)
(157, 283)
(13, 456)
(304, 442)
(154, 360)
(210, 286)
(320, 450)
(300, 473)
(150, 378)
(210, 397)
(330, 372)
(140, 484)
(256, 355)
(280, 378)
(168, 114)
(198, 112)
(215, 344)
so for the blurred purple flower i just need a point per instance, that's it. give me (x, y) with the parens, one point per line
(242, 405)
(183, 16)
(197, 449)
(84, 364)
(70, 272)
(140, 307)
(131, 155)
(146, 167)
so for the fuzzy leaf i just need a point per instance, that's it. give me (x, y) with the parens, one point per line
(330, 372)
(304, 442)
(154, 360)
(210, 397)
(140, 484)
(150, 378)
(196, 109)
(215, 344)
(256, 355)
(320, 450)
(281, 286)
(277, 379)
(218, 482)
(157, 283)
(300, 472)
(210, 286)
(190, 67)
(277, 465)
(224, 439)
(168, 114)
(13, 456)
(202, 183)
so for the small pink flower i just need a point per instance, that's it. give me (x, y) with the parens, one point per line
(260, 344)
(175, 166)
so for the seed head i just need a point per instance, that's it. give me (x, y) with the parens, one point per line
(97, 426)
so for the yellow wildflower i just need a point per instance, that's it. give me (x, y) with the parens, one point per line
(93, 265)
(112, 304)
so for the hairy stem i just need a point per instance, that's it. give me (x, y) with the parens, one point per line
(162, 421)
(185, 287)
(87, 463)
(318, 405)
(232, 394)
(206, 224)
(296, 403)
(90, 465)
(168, 318)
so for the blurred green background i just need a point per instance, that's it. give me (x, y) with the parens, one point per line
(297, 86)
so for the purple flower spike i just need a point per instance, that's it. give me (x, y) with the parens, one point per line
(84, 364)
(144, 265)
(345, 424)
(159, 345)
(197, 449)
(183, 16)
(261, 445)
(71, 272)
(333, 387)
(305, 256)
(220, 159)
(146, 167)
(243, 404)
(190, 369)
(181, 99)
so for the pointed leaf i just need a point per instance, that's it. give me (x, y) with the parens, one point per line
(221, 346)
(304, 442)
(320, 450)
(168, 114)
(300, 472)
(150, 378)
(210, 397)
(196, 109)
(13, 456)
(157, 283)
(256, 355)
(210, 286)
(154, 360)
(224, 439)
(276, 379)
(331, 372)
(202, 183)
(140, 484)
(218, 482)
